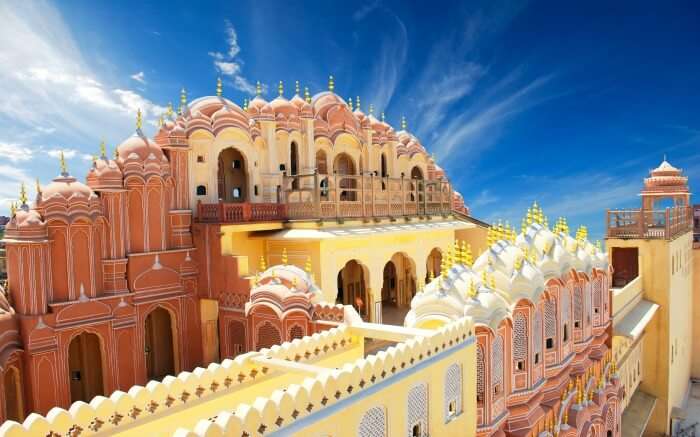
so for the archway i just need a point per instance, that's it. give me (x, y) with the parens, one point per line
(14, 404)
(352, 287)
(237, 337)
(232, 178)
(85, 367)
(294, 164)
(417, 183)
(160, 353)
(398, 288)
(342, 166)
(432, 264)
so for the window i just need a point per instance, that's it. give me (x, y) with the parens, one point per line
(417, 410)
(373, 423)
(520, 341)
(255, 189)
(566, 333)
(497, 365)
(453, 392)
(537, 358)
(550, 343)
(236, 193)
(550, 322)
(480, 372)
(200, 159)
(201, 190)
(237, 164)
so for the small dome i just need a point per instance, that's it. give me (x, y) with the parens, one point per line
(208, 105)
(325, 99)
(139, 147)
(284, 288)
(280, 105)
(26, 223)
(303, 107)
(258, 107)
(66, 187)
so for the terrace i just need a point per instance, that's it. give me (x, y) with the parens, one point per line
(649, 224)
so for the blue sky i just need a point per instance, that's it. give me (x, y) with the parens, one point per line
(566, 104)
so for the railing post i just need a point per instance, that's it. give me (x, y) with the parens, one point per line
(371, 183)
(642, 223)
(388, 197)
(362, 194)
(317, 195)
(668, 223)
(337, 195)
(419, 182)
(425, 199)
(403, 195)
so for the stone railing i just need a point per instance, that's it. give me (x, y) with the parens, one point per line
(637, 223)
(239, 212)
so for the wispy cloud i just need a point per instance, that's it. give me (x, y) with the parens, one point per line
(229, 63)
(485, 197)
(139, 77)
(365, 10)
(15, 152)
(11, 177)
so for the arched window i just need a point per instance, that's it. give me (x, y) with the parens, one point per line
(268, 336)
(201, 190)
(321, 164)
(480, 374)
(418, 411)
(453, 391)
(578, 306)
(520, 342)
(294, 164)
(565, 314)
(373, 423)
(383, 172)
(550, 323)
(497, 365)
(597, 298)
(296, 331)
(537, 336)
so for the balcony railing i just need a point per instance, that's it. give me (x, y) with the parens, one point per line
(317, 196)
(637, 223)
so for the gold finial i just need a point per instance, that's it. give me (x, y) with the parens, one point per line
(468, 256)
(280, 88)
(284, 256)
(297, 88)
(13, 209)
(484, 279)
(219, 87)
(331, 83)
(245, 104)
(23, 194)
(357, 103)
(169, 111)
(258, 89)
(597, 244)
(307, 96)
(403, 123)
(371, 109)
(472, 289)
(38, 187)
(262, 265)
(94, 160)
(116, 153)
(518, 262)
(383, 118)
(492, 282)
(160, 121)
(307, 266)
(350, 103)
(443, 267)
(103, 150)
(183, 100)
(62, 161)
(294, 283)
(139, 119)
(431, 276)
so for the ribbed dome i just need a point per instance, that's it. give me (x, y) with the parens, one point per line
(66, 187)
(208, 105)
(139, 147)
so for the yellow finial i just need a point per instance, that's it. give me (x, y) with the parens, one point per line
(383, 119)
(492, 282)
(13, 209)
(245, 104)
(331, 83)
(450, 258)
(350, 103)
(307, 96)
(472, 289)
(546, 222)
(183, 100)
(258, 89)
(470, 260)
(284, 256)
(23, 194)
(403, 123)
(371, 109)
(294, 283)
(262, 267)
(219, 87)
(160, 121)
(307, 266)
(484, 279)
(457, 252)
(103, 150)
(280, 88)
(443, 267)
(357, 103)
(518, 262)
(169, 111)
(297, 88)
(62, 162)
(597, 244)
(139, 119)
(431, 276)
(38, 187)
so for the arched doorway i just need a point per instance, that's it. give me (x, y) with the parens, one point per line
(85, 367)
(383, 170)
(432, 264)
(398, 288)
(14, 404)
(294, 164)
(159, 350)
(344, 165)
(232, 178)
(237, 337)
(417, 183)
(352, 287)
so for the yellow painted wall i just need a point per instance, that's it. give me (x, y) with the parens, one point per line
(695, 361)
(666, 273)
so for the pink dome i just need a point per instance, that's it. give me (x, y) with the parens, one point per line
(283, 106)
(322, 101)
(259, 108)
(139, 147)
(26, 223)
(208, 105)
(66, 187)
(303, 107)
(105, 173)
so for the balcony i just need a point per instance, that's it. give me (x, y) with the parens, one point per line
(661, 225)
(336, 197)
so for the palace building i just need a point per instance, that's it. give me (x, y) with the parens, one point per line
(299, 267)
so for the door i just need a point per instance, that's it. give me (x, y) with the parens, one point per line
(160, 360)
(85, 367)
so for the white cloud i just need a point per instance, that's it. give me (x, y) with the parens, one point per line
(11, 178)
(365, 10)
(67, 153)
(139, 77)
(15, 152)
(229, 65)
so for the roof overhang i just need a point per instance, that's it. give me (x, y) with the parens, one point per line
(634, 322)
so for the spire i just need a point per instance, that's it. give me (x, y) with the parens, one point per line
(350, 103)
(38, 187)
(307, 96)
(258, 89)
(382, 116)
(331, 83)
(13, 209)
(307, 265)
(403, 123)
(371, 109)
(284, 256)
(103, 150)
(245, 104)
(160, 121)
(23, 195)
(169, 112)
(219, 87)
(262, 265)
(62, 161)
(297, 88)
(280, 89)
(183, 100)
(357, 103)
(139, 119)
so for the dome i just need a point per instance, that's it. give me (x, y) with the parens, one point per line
(66, 187)
(303, 107)
(139, 147)
(280, 105)
(105, 173)
(208, 105)
(665, 168)
(321, 101)
(259, 108)
(284, 288)
(26, 223)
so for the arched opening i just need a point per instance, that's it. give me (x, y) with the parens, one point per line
(352, 287)
(232, 179)
(432, 264)
(383, 171)
(294, 164)
(268, 335)
(321, 164)
(398, 288)
(417, 183)
(14, 405)
(236, 333)
(343, 166)
(159, 350)
(85, 367)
